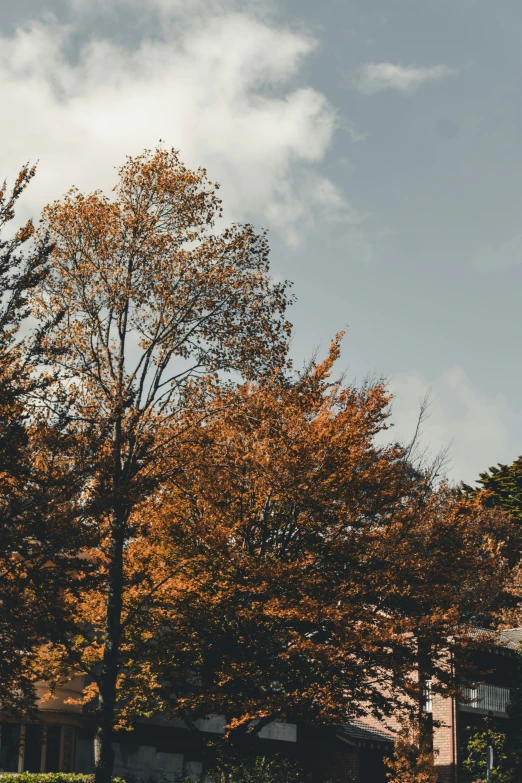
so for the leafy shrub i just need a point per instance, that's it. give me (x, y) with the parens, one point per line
(49, 777)
(475, 742)
(258, 769)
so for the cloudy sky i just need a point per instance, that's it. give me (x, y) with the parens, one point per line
(379, 141)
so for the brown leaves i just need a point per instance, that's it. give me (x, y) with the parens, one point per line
(145, 269)
(312, 559)
(412, 760)
(244, 548)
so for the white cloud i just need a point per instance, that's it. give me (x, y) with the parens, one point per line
(474, 427)
(375, 77)
(220, 91)
(169, 7)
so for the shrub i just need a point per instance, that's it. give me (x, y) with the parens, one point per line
(49, 777)
(506, 749)
(259, 769)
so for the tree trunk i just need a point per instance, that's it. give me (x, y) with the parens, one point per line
(104, 754)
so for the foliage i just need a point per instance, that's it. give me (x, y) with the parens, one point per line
(50, 777)
(412, 760)
(243, 548)
(501, 487)
(238, 768)
(474, 744)
(292, 564)
(37, 544)
(18, 275)
(151, 298)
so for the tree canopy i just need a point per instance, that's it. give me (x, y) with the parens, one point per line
(289, 565)
(188, 521)
(149, 297)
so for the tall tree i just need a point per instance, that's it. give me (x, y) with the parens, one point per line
(19, 274)
(291, 564)
(36, 543)
(152, 298)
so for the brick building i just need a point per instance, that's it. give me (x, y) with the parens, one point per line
(165, 750)
(489, 698)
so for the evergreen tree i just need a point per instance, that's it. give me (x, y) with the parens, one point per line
(501, 487)
(37, 539)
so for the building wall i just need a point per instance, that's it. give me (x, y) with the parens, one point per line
(445, 737)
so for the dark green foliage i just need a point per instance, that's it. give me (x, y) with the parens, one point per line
(501, 487)
(37, 543)
(507, 753)
(257, 769)
(20, 272)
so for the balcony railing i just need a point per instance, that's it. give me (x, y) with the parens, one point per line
(487, 698)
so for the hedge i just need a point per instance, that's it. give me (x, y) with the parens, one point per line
(49, 777)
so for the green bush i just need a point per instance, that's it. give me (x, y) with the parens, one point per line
(49, 777)
(259, 769)
(473, 752)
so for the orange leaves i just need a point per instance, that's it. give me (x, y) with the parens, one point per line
(266, 499)
(144, 299)
(312, 559)
(413, 757)
(145, 284)
(247, 549)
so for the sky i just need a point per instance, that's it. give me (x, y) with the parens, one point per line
(378, 141)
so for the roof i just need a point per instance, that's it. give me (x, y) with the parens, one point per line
(511, 638)
(363, 733)
(508, 638)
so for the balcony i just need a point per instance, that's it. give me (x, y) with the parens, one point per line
(482, 699)
(486, 699)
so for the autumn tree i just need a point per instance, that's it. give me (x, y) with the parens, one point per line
(152, 297)
(309, 560)
(412, 759)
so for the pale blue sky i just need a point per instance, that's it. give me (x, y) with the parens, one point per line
(377, 140)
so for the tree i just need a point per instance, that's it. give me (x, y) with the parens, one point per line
(37, 544)
(152, 298)
(501, 487)
(412, 760)
(309, 562)
(19, 274)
